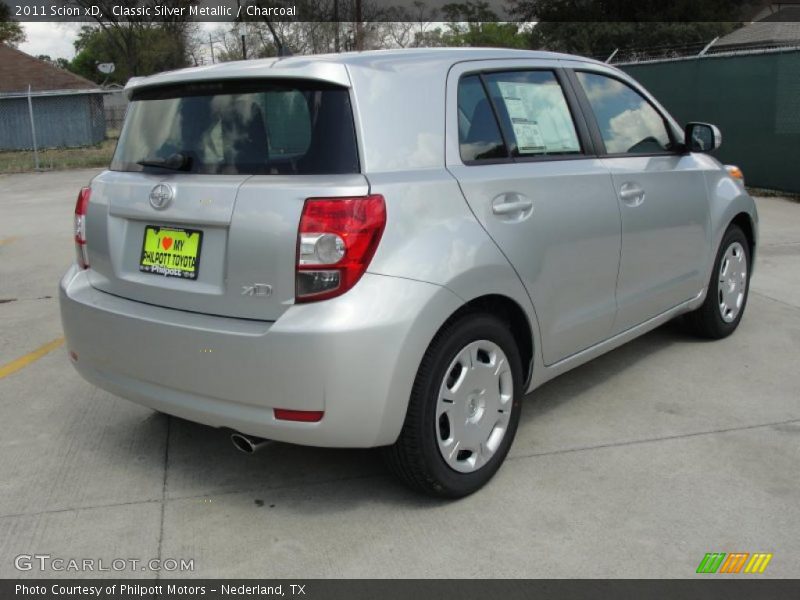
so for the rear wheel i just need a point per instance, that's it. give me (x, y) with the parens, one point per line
(728, 288)
(463, 411)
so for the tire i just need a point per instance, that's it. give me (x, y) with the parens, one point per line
(450, 379)
(722, 310)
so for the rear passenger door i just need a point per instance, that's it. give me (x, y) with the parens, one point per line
(662, 197)
(518, 146)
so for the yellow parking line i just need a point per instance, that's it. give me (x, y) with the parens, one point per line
(24, 361)
(8, 240)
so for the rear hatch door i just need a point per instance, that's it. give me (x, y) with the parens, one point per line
(201, 206)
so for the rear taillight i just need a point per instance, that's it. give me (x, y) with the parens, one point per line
(336, 240)
(81, 206)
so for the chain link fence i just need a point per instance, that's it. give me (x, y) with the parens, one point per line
(115, 104)
(59, 129)
(629, 56)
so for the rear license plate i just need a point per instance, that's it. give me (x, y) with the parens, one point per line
(171, 251)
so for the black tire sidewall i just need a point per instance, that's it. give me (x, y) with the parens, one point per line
(732, 235)
(465, 331)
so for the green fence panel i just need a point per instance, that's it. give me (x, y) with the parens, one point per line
(754, 99)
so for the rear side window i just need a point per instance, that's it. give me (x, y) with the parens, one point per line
(251, 127)
(534, 112)
(628, 122)
(478, 133)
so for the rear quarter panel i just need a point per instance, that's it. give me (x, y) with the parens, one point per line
(432, 236)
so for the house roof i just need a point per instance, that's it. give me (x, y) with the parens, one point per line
(19, 70)
(776, 29)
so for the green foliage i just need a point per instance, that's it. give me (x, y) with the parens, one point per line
(598, 26)
(59, 63)
(686, 11)
(11, 32)
(135, 51)
(473, 24)
(483, 34)
(136, 45)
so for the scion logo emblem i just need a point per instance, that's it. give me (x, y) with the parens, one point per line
(161, 196)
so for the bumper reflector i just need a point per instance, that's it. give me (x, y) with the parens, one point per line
(306, 416)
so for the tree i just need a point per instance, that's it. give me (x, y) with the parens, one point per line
(155, 48)
(641, 11)
(327, 26)
(600, 26)
(11, 32)
(473, 23)
(407, 27)
(135, 44)
(60, 63)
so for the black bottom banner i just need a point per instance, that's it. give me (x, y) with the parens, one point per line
(416, 589)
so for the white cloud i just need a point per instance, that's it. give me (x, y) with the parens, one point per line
(633, 126)
(53, 39)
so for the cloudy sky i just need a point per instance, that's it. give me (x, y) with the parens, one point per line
(54, 39)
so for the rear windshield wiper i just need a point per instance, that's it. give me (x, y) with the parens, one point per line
(176, 162)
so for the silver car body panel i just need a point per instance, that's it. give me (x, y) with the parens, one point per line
(251, 243)
(204, 351)
(573, 227)
(665, 237)
(354, 357)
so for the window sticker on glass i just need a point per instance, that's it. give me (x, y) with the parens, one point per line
(536, 112)
(526, 129)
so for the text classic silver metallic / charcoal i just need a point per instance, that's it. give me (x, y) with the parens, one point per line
(393, 248)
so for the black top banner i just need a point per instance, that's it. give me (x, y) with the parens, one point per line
(398, 10)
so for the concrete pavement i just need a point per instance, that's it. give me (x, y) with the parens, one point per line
(634, 465)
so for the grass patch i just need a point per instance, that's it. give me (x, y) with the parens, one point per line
(57, 159)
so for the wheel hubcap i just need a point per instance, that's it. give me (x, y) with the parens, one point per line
(474, 406)
(732, 282)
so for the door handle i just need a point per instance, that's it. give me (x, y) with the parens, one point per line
(511, 204)
(631, 193)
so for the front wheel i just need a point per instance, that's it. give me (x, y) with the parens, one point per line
(463, 411)
(722, 310)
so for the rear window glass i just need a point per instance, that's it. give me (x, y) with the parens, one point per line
(253, 128)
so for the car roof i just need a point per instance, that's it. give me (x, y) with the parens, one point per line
(333, 67)
(447, 54)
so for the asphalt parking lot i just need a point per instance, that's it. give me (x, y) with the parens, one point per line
(634, 465)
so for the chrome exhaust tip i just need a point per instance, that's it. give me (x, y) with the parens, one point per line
(248, 444)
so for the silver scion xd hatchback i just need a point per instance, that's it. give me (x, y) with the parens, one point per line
(393, 248)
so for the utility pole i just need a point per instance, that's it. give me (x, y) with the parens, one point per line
(211, 45)
(359, 30)
(336, 46)
(242, 31)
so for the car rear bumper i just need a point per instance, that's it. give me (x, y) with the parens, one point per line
(354, 357)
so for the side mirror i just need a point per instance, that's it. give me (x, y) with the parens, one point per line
(702, 137)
